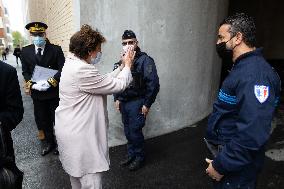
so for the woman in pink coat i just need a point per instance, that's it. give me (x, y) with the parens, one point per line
(81, 119)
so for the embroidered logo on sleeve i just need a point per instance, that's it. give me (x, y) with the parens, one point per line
(149, 68)
(261, 93)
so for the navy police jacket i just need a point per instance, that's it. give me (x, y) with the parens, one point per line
(242, 114)
(145, 83)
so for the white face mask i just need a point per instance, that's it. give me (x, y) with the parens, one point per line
(126, 47)
(97, 58)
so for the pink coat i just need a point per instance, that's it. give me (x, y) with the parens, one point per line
(81, 119)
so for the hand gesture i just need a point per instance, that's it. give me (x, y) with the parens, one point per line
(145, 110)
(117, 103)
(27, 89)
(128, 57)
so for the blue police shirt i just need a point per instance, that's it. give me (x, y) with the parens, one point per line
(242, 114)
(145, 82)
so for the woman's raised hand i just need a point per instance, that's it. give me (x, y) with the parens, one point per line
(128, 58)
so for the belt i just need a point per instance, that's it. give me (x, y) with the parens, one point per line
(132, 99)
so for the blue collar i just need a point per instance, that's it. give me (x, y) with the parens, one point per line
(256, 52)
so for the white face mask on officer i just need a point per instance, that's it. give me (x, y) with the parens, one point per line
(126, 47)
(97, 59)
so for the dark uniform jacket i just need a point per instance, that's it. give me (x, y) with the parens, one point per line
(242, 114)
(17, 52)
(145, 82)
(52, 58)
(11, 105)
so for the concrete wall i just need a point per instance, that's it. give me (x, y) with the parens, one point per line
(180, 35)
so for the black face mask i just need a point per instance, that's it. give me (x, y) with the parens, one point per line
(223, 52)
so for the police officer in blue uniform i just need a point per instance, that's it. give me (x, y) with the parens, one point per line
(45, 93)
(134, 103)
(240, 123)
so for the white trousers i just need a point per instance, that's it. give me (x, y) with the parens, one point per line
(89, 181)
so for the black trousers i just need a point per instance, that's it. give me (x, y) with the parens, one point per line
(17, 57)
(18, 174)
(44, 112)
(7, 161)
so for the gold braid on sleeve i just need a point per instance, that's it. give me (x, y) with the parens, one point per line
(52, 82)
(28, 84)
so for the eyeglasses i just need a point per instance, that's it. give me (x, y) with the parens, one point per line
(128, 42)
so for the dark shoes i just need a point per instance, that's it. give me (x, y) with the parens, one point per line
(135, 165)
(47, 148)
(126, 161)
(132, 163)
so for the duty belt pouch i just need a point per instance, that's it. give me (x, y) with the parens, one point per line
(7, 177)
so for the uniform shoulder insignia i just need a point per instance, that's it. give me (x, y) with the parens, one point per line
(150, 64)
(261, 93)
(149, 68)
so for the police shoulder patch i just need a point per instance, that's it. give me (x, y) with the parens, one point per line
(261, 92)
(149, 68)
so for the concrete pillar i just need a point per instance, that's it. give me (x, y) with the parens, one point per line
(180, 35)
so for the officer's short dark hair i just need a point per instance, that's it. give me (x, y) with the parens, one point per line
(85, 41)
(240, 22)
(128, 34)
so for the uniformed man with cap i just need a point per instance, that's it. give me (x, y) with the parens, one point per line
(44, 92)
(135, 102)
